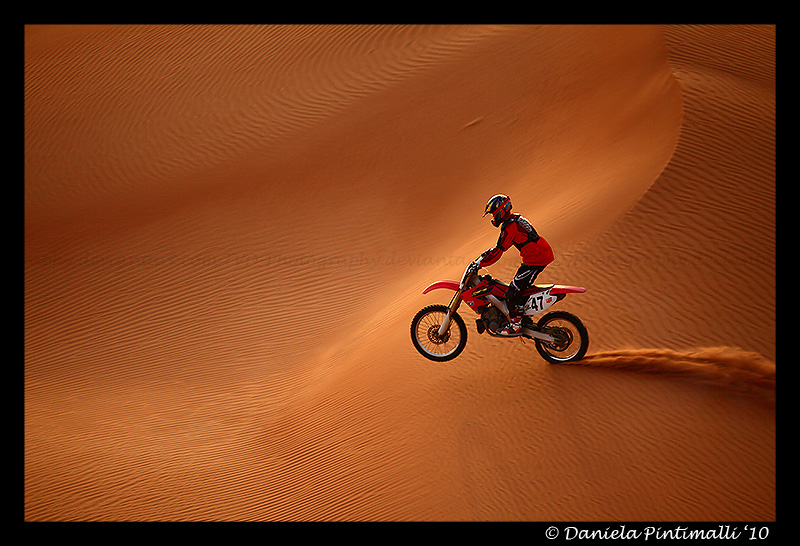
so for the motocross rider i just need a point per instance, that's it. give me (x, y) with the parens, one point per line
(534, 249)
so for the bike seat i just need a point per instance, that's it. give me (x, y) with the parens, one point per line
(537, 288)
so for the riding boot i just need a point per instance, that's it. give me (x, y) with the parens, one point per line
(512, 301)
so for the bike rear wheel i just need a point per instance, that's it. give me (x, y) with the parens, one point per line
(571, 338)
(425, 337)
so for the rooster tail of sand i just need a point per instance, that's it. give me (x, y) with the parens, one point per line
(722, 366)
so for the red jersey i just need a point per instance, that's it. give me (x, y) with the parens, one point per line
(517, 231)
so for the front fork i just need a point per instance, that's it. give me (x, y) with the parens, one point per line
(451, 308)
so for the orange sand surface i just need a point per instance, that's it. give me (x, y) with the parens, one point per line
(228, 230)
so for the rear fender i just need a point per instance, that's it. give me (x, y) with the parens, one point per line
(449, 285)
(565, 289)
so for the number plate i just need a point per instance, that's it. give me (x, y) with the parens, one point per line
(539, 302)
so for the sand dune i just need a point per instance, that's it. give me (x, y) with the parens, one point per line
(228, 229)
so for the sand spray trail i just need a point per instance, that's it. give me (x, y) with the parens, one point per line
(723, 366)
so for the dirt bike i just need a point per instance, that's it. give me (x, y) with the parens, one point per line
(438, 332)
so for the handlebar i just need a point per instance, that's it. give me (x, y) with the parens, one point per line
(473, 267)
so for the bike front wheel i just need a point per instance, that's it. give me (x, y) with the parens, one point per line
(425, 334)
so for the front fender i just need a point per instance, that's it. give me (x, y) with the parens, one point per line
(450, 285)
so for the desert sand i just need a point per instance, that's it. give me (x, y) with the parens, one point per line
(228, 230)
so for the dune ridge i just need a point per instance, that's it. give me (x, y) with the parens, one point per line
(228, 230)
(703, 235)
